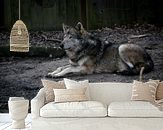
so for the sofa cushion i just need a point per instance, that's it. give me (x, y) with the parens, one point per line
(159, 93)
(49, 85)
(133, 109)
(74, 109)
(144, 91)
(72, 84)
(70, 95)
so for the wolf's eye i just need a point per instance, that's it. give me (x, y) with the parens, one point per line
(70, 37)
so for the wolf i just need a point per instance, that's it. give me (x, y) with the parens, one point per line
(88, 54)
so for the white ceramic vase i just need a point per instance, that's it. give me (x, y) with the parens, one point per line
(18, 110)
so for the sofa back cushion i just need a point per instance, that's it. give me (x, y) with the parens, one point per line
(49, 85)
(107, 92)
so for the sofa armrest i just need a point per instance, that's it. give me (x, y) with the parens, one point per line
(36, 103)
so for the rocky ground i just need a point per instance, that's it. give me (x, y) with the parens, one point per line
(22, 76)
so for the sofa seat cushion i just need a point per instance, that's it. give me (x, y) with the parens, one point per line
(74, 109)
(133, 109)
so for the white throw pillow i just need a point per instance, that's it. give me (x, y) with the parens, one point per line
(72, 84)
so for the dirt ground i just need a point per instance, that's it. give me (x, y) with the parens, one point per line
(22, 76)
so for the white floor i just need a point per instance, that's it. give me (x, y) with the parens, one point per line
(5, 122)
(7, 126)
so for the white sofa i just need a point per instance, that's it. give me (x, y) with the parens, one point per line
(119, 112)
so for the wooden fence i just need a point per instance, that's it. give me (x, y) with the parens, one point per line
(50, 14)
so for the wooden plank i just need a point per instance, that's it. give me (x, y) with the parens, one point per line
(107, 13)
(62, 11)
(82, 12)
(36, 16)
(14, 11)
(50, 14)
(145, 11)
(26, 7)
(1, 13)
(7, 14)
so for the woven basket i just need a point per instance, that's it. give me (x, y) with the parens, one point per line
(19, 37)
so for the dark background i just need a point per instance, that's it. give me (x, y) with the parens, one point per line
(49, 14)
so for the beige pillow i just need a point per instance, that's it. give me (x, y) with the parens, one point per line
(159, 92)
(70, 95)
(72, 84)
(49, 85)
(144, 91)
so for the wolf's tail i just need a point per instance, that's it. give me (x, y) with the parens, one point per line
(141, 74)
(149, 65)
(143, 67)
(146, 68)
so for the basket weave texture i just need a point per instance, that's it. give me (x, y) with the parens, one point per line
(19, 37)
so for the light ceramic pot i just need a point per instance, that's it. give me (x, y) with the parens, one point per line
(18, 110)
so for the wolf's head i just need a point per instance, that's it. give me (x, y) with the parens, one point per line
(78, 43)
(73, 42)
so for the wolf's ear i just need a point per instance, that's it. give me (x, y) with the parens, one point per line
(79, 27)
(65, 27)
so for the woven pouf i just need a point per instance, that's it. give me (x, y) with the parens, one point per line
(18, 110)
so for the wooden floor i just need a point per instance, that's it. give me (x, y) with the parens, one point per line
(5, 122)
(7, 126)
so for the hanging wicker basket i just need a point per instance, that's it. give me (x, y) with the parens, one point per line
(19, 37)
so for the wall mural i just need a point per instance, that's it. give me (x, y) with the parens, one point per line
(21, 74)
(116, 50)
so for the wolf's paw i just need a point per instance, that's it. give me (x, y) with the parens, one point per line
(49, 75)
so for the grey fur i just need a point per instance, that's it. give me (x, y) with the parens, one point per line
(89, 55)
